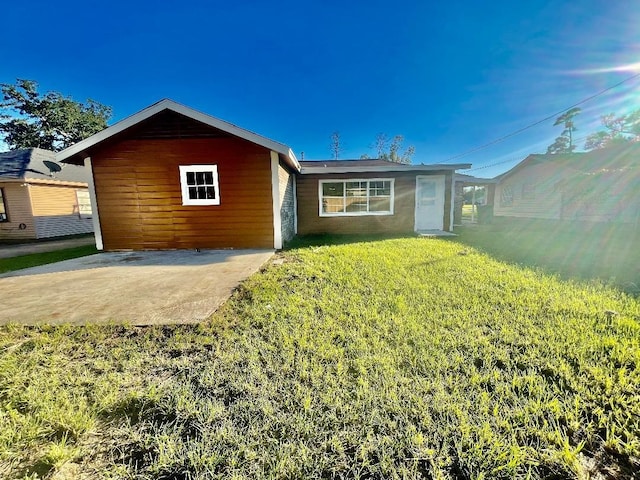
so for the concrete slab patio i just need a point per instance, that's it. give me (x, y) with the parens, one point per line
(141, 288)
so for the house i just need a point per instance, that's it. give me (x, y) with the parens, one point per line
(374, 196)
(172, 177)
(40, 198)
(602, 185)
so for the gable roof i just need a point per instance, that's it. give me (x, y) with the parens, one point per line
(80, 148)
(615, 157)
(363, 162)
(536, 158)
(471, 180)
(309, 167)
(29, 164)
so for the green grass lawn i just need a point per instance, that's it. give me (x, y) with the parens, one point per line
(606, 252)
(36, 259)
(469, 212)
(399, 358)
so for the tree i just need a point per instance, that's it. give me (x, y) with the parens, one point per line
(564, 143)
(51, 121)
(621, 129)
(335, 146)
(390, 150)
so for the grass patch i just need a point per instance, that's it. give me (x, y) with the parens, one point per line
(606, 252)
(401, 358)
(36, 259)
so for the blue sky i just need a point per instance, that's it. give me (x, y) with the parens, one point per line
(448, 75)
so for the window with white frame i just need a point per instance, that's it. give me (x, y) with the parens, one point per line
(84, 203)
(199, 184)
(356, 197)
(506, 197)
(3, 208)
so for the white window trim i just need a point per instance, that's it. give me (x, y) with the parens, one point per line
(95, 215)
(3, 201)
(503, 195)
(81, 193)
(275, 200)
(185, 188)
(356, 214)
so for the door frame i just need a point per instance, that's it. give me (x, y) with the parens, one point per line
(442, 180)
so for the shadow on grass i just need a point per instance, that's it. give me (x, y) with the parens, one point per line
(586, 251)
(335, 239)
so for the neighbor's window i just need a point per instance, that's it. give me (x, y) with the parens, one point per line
(506, 198)
(84, 203)
(3, 208)
(199, 184)
(528, 191)
(356, 197)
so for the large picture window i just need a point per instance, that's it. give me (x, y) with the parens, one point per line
(199, 184)
(356, 197)
(4, 216)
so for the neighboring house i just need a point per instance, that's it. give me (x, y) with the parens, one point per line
(601, 185)
(172, 177)
(40, 198)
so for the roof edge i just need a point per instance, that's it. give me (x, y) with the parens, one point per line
(391, 168)
(167, 104)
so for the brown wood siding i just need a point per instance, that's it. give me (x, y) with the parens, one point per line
(402, 220)
(18, 205)
(140, 204)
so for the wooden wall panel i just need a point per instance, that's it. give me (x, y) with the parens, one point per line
(310, 222)
(140, 204)
(402, 221)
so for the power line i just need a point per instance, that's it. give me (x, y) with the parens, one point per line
(511, 159)
(549, 117)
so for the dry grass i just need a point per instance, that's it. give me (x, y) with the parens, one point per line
(385, 359)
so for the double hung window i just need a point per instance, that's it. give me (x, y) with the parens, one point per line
(506, 197)
(4, 217)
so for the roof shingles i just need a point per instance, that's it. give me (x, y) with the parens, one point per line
(29, 164)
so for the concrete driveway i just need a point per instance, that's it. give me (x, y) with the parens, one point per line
(141, 288)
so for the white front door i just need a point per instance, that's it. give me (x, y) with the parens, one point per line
(430, 202)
